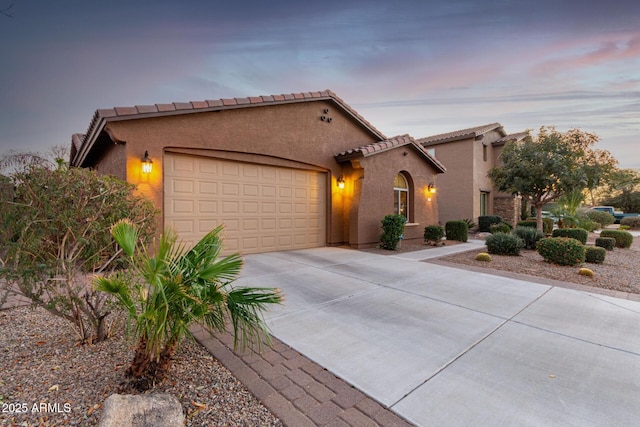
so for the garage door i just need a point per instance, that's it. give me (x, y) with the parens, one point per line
(263, 208)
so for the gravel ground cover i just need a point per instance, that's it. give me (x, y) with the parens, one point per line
(41, 362)
(620, 270)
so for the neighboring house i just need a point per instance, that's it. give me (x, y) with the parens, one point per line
(280, 172)
(465, 191)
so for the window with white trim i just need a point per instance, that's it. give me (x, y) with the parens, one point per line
(401, 196)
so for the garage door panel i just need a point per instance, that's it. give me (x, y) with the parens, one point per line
(263, 208)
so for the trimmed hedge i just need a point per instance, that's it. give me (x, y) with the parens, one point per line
(604, 218)
(457, 230)
(502, 227)
(579, 234)
(504, 244)
(606, 242)
(561, 250)
(392, 231)
(485, 222)
(547, 224)
(623, 238)
(529, 236)
(595, 254)
(633, 222)
(433, 234)
(527, 223)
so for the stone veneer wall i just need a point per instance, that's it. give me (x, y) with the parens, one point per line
(508, 207)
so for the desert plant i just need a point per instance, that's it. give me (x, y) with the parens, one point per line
(633, 222)
(166, 293)
(502, 227)
(531, 223)
(608, 243)
(595, 255)
(561, 250)
(504, 244)
(529, 235)
(485, 222)
(604, 218)
(470, 224)
(579, 234)
(585, 272)
(433, 234)
(456, 230)
(624, 239)
(483, 256)
(59, 219)
(392, 231)
(547, 224)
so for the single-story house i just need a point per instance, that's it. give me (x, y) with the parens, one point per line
(280, 172)
(465, 191)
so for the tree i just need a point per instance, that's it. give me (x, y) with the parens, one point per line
(56, 230)
(544, 168)
(166, 293)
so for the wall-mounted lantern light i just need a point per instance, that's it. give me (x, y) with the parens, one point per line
(147, 163)
(431, 188)
(340, 182)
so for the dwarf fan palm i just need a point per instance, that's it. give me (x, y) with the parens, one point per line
(166, 293)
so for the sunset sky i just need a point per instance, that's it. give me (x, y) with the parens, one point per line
(407, 66)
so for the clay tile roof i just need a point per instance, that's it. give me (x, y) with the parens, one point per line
(102, 116)
(460, 134)
(515, 137)
(386, 145)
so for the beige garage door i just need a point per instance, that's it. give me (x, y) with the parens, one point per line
(263, 208)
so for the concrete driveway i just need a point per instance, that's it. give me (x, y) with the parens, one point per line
(446, 347)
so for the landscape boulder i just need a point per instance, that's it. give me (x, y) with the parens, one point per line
(145, 410)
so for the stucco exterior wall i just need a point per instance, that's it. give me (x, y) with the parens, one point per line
(288, 135)
(455, 188)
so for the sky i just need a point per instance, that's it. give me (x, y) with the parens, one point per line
(421, 67)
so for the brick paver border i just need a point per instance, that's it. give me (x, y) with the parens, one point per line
(295, 389)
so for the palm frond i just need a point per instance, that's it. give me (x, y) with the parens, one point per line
(126, 235)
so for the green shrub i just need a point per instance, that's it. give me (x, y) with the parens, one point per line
(470, 223)
(527, 223)
(633, 222)
(433, 234)
(595, 254)
(392, 231)
(597, 226)
(529, 236)
(579, 234)
(502, 227)
(604, 218)
(623, 238)
(504, 244)
(485, 222)
(606, 242)
(561, 250)
(456, 230)
(624, 227)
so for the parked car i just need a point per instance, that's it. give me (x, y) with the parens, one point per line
(618, 215)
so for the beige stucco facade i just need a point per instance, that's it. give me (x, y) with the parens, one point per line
(465, 190)
(314, 133)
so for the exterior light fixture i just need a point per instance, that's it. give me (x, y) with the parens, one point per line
(147, 163)
(431, 188)
(340, 182)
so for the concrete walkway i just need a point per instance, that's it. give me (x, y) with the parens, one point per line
(447, 346)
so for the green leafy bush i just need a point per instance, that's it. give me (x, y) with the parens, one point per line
(608, 243)
(579, 234)
(623, 238)
(433, 234)
(529, 236)
(502, 227)
(561, 250)
(457, 230)
(604, 218)
(504, 244)
(485, 222)
(633, 222)
(392, 231)
(547, 224)
(531, 223)
(595, 254)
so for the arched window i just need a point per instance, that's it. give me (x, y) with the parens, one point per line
(401, 196)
